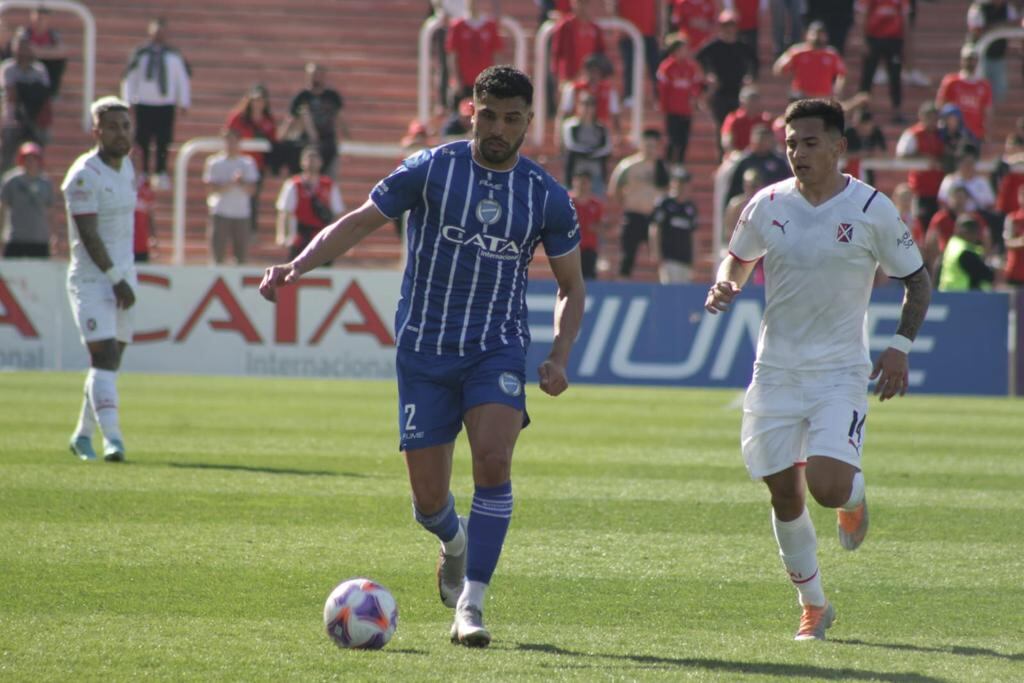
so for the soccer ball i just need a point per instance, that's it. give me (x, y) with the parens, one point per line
(360, 613)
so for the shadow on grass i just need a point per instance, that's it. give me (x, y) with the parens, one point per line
(406, 651)
(265, 470)
(784, 671)
(951, 650)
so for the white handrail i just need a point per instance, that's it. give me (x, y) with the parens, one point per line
(433, 24)
(541, 50)
(216, 144)
(873, 164)
(88, 45)
(992, 36)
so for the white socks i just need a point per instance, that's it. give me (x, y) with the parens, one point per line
(798, 546)
(101, 391)
(856, 492)
(473, 594)
(86, 418)
(457, 544)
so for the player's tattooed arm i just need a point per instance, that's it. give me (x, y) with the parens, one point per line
(88, 232)
(916, 298)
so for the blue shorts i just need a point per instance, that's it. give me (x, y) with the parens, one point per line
(434, 392)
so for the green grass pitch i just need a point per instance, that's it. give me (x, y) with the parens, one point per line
(639, 549)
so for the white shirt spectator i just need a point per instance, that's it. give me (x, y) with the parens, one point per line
(979, 192)
(231, 200)
(11, 74)
(144, 83)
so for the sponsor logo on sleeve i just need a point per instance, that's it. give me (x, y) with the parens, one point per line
(905, 240)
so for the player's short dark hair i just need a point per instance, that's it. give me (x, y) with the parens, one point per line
(651, 134)
(504, 82)
(829, 111)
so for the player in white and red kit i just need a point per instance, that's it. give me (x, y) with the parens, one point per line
(822, 234)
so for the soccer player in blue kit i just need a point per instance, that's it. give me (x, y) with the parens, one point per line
(477, 212)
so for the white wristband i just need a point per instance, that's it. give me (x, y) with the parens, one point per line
(900, 343)
(114, 275)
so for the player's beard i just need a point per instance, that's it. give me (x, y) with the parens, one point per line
(501, 155)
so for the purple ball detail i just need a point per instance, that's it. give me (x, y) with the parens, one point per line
(374, 643)
(369, 609)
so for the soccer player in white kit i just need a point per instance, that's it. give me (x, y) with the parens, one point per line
(822, 235)
(99, 191)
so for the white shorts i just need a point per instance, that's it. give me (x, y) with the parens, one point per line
(785, 424)
(95, 309)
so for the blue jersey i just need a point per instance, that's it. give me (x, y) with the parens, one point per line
(471, 236)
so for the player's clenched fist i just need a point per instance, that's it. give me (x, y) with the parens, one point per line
(277, 276)
(720, 296)
(552, 378)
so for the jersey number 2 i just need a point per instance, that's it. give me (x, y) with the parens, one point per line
(410, 413)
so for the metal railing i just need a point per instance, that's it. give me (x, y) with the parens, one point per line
(541, 51)
(88, 45)
(431, 26)
(216, 144)
(992, 36)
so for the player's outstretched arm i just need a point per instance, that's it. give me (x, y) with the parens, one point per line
(892, 368)
(733, 273)
(88, 231)
(568, 315)
(330, 243)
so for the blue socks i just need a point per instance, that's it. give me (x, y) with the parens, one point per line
(444, 524)
(488, 523)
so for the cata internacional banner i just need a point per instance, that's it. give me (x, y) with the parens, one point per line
(339, 323)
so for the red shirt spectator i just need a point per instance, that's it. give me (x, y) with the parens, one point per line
(814, 69)
(605, 97)
(885, 18)
(943, 223)
(748, 13)
(1009, 186)
(252, 119)
(739, 123)
(590, 212)
(473, 41)
(696, 19)
(924, 141)
(643, 14)
(1015, 255)
(574, 39)
(679, 82)
(145, 199)
(972, 95)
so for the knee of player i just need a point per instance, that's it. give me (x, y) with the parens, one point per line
(830, 494)
(105, 358)
(428, 501)
(494, 464)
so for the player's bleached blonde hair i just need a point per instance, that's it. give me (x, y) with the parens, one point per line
(105, 104)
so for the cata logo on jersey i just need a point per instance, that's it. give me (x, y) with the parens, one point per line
(490, 246)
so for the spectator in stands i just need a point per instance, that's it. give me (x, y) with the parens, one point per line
(1008, 176)
(636, 183)
(587, 144)
(48, 46)
(595, 80)
(644, 15)
(963, 261)
(5, 41)
(25, 199)
(980, 197)
(764, 157)
(415, 138)
(748, 22)
(751, 184)
(694, 19)
(575, 37)
(816, 68)
(27, 112)
(923, 141)
(673, 224)
(471, 43)
(955, 135)
(885, 25)
(787, 24)
(985, 16)
(144, 222)
(972, 94)
(252, 119)
(230, 179)
(157, 84)
(448, 11)
(837, 16)
(459, 123)
(941, 228)
(680, 84)
(1013, 238)
(864, 139)
(738, 124)
(903, 200)
(590, 213)
(307, 204)
(317, 110)
(728, 65)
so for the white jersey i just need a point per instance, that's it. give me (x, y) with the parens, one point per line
(819, 267)
(92, 187)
